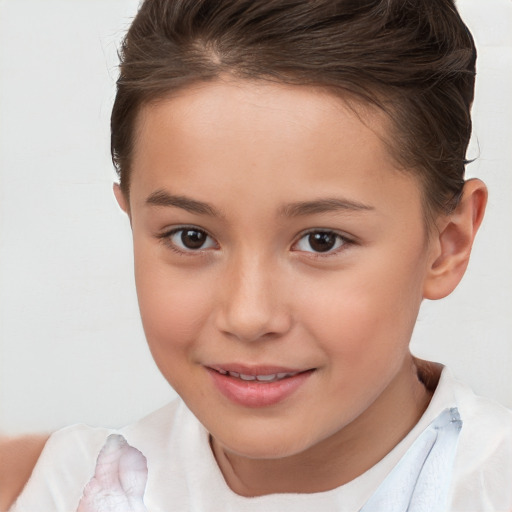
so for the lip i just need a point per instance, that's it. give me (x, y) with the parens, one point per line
(254, 393)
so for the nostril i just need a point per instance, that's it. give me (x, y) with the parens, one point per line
(252, 325)
(249, 305)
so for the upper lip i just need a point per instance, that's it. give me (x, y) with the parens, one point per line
(255, 370)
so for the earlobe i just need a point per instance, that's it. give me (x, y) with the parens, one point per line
(451, 246)
(121, 198)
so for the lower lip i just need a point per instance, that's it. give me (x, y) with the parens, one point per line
(258, 394)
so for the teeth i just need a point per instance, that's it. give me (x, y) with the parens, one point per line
(265, 378)
(260, 378)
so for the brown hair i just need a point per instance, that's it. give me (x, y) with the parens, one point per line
(415, 59)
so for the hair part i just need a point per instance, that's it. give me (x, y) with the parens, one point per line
(413, 59)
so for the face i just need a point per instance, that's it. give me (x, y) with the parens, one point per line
(280, 259)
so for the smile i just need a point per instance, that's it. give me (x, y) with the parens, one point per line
(273, 377)
(258, 387)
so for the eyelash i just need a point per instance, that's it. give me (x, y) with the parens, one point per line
(346, 242)
(165, 238)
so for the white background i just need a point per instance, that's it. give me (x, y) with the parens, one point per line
(71, 344)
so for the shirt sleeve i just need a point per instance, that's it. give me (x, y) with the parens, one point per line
(65, 466)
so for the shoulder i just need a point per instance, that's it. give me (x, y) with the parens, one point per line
(487, 424)
(483, 465)
(68, 460)
(62, 470)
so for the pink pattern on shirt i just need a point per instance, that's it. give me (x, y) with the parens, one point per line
(119, 479)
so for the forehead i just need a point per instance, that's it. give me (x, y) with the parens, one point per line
(231, 109)
(250, 138)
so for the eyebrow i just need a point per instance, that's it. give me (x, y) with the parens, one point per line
(297, 209)
(163, 198)
(323, 206)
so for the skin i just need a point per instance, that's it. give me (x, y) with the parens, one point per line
(258, 294)
(18, 456)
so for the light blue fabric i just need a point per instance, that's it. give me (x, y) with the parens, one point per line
(421, 480)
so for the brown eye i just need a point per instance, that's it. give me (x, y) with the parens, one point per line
(191, 239)
(320, 242)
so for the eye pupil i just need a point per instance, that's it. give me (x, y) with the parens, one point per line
(322, 242)
(192, 238)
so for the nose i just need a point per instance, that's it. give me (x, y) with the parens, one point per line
(252, 305)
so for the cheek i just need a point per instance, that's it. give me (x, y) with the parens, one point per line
(365, 314)
(174, 305)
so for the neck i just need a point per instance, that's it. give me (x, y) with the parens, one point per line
(340, 458)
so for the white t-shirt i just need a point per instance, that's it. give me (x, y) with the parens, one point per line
(457, 458)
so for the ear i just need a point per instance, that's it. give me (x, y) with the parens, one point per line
(121, 199)
(451, 244)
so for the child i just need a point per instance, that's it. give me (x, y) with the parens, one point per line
(293, 172)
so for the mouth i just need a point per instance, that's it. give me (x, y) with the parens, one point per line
(257, 386)
(263, 377)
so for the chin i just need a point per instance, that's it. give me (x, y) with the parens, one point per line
(262, 452)
(266, 444)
